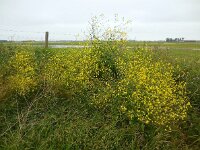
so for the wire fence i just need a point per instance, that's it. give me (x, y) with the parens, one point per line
(9, 34)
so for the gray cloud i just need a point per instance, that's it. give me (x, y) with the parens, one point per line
(152, 19)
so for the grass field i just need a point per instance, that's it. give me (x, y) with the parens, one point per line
(162, 45)
(63, 118)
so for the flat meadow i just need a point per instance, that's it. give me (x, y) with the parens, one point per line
(112, 94)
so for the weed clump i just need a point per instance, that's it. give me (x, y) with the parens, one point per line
(22, 78)
(149, 91)
(137, 85)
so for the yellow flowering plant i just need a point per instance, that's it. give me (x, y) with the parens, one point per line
(149, 91)
(67, 72)
(22, 78)
(105, 47)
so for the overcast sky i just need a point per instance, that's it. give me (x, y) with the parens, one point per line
(64, 19)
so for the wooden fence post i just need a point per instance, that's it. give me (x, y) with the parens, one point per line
(46, 39)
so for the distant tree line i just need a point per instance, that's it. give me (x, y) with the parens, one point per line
(175, 40)
(3, 41)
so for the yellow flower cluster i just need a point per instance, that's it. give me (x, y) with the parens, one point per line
(104, 73)
(23, 76)
(144, 89)
(67, 71)
(149, 91)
